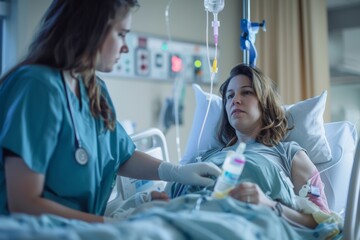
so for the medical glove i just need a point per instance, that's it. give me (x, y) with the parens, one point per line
(198, 174)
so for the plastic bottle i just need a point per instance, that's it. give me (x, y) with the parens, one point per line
(214, 6)
(231, 171)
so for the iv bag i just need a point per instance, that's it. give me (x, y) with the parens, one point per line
(214, 6)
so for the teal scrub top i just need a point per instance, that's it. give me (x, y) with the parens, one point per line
(35, 124)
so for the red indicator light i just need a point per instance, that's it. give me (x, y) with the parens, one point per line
(176, 64)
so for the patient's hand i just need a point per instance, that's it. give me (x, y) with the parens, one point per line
(250, 193)
(160, 196)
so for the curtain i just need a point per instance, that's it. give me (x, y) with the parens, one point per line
(294, 49)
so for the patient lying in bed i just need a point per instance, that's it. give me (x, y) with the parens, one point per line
(277, 174)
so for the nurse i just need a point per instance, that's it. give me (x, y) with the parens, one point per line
(61, 147)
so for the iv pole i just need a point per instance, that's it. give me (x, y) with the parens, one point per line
(247, 38)
(246, 15)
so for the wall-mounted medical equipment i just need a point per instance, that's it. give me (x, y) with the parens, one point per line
(160, 59)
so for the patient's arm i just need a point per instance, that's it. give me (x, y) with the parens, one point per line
(304, 170)
(24, 190)
(251, 193)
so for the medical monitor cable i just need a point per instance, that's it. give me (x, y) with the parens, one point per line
(333, 165)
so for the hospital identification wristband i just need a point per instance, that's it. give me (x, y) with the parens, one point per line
(278, 209)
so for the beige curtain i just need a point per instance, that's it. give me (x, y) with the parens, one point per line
(294, 49)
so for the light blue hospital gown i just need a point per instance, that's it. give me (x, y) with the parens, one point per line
(263, 166)
(269, 167)
(35, 123)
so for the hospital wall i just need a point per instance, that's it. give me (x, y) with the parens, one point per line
(140, 100)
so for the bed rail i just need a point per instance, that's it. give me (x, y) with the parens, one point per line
(352, 213)
(151, 141)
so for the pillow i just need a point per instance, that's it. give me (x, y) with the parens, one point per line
(208, 137)
(307, 117)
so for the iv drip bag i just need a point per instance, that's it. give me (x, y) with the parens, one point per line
(214, 6)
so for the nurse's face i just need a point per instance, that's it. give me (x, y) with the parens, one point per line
(242, 106)
(114, 44)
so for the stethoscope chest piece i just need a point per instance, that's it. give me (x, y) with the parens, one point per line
(81, 156)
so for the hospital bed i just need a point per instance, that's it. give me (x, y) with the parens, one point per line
(153, 142)
(194, 217)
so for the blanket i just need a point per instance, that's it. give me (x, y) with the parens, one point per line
(192, 216)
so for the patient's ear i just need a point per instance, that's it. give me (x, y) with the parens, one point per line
(307, 118)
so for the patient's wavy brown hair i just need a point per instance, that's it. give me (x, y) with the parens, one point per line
(70, 36)
(274, 122)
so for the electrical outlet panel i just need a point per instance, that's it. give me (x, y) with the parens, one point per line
(159, 59)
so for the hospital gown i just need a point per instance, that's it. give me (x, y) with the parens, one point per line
(269, 167)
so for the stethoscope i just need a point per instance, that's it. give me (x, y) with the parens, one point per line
(81, 156)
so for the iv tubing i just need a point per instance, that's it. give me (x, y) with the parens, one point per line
(176, 95)
(342, 153)
(212, 75)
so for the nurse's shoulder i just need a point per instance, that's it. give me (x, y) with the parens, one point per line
(37, 74)
(34, 78)
(32, 81)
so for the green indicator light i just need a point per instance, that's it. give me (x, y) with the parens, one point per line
(197, 63)
(164, 46)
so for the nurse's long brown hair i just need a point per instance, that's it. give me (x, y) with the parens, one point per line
(274, 122)
(70, 36)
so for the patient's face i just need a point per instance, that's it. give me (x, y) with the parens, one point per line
(242, 106)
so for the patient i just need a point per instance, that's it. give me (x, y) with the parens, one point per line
(274, 171)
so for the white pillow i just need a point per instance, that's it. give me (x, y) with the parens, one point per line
(308, 131)
(208, 138)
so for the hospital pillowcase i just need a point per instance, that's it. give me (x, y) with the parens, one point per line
(208, 138)
(307, 118)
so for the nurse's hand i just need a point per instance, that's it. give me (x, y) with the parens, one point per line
(199, 174)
